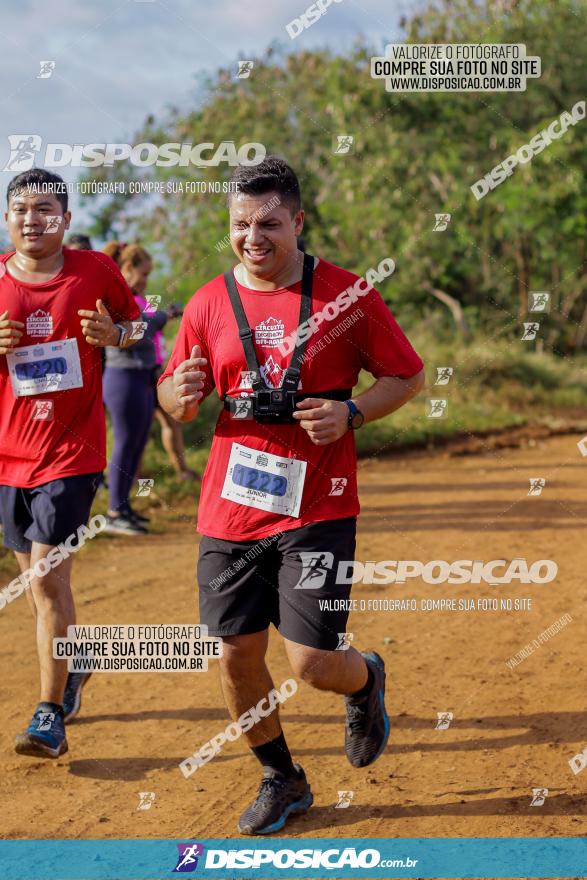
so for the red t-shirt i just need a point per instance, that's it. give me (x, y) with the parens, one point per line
(40, 442)
(366, 336)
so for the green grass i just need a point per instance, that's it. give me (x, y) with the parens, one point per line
(495, 385)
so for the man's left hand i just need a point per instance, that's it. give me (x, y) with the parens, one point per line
(98, 327)
(324, 420)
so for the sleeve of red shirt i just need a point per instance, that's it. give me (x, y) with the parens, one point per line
(117, 297)
(191, 332)
(384, 349)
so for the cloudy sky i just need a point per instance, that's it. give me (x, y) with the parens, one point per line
(115, 61)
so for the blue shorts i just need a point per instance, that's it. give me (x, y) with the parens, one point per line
(46, 514)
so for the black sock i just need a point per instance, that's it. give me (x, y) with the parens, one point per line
(275, 755)
(366, 689)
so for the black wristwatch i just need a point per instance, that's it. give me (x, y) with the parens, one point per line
(356, 417)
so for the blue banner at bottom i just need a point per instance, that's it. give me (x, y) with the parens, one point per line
(227, 859)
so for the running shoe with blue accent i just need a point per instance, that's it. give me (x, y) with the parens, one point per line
(278, 798)
(72, 698)
(45, 735)
(367, 722)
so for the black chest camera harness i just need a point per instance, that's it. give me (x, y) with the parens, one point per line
(265, 404)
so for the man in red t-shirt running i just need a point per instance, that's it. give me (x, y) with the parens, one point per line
(59, 307)
(283, 339)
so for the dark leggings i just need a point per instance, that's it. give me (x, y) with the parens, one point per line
(130, 400)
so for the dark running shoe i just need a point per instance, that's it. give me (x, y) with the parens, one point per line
(45, 735)
(367, 722)
(129, 512)
(72, 698)
(278, 798)
(122, 525)
(138, 517)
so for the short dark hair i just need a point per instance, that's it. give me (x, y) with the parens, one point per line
(38, 177)
(270, 175)
(81, 241)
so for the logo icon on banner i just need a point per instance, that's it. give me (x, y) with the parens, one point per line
(437, 408)
(443, 375)
(138, 329)
(444, 719)
(537, 484)
(579, 761)
(153, 301)
(244, 69)
(315, 567)
(146, 800)
(344, 641)
(145, 486)
(39, 323)
(53, 222)
(45, 719)
(189, 853)
(539, 795)
(338, 485)
(344, 800)
(539, 301)
(43, 410)
(441, 222)
(247, 379)
(23, 151)
(243, 409)
(343, 144)
(531, 328)
(47, 68)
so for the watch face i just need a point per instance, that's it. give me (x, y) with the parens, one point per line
(356, 417)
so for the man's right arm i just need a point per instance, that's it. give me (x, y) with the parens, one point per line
(180, 394)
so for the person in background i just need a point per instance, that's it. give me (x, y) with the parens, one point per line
(79, 242)
(171, 431)
(128, 393)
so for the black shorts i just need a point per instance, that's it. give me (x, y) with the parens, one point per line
(246, 585)
(47, 514)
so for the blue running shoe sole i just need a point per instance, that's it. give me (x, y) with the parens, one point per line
(26, 744)
(378, 661)
(297, 807)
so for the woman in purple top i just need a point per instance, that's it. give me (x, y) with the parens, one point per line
(171, 431)
(129, 395)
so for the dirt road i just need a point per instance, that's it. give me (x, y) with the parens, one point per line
(513, 730)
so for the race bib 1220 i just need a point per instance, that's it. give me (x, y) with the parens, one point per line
(48, 366)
